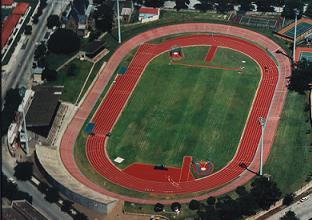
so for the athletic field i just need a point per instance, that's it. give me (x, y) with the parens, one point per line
(187, 107)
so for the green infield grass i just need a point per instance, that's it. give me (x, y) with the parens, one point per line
(179, 110)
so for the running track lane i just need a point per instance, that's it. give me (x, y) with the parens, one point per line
(109, 111)
(70, 135)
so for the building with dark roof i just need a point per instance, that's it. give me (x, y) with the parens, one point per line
(93, 48)
(21, 210)
(43, 108)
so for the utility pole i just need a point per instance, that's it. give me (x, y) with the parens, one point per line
(297, 12)
(118, 22)
(261, 122)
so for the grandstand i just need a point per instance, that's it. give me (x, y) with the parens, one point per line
(303, 53)
(304, 28)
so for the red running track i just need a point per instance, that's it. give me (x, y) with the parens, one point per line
(116, 98)
(247, 150)
(212, 51)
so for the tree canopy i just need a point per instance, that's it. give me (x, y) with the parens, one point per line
(11, 102)
(23, 170)
(53, 21)
(265, 191)
(290, 5)
(290, 215)
(154, 3)
(182, 4)
(64, 41)
(103, 16)
(301, 77)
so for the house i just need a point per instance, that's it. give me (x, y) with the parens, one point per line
(79, 18)
(126, 10)
(148, 14)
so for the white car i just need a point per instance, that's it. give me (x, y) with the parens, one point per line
(304, 198)
(12, 180)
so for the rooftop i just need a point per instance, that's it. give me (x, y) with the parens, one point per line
(153, 11)
(43, 106)
(6, 2)
(20, 8)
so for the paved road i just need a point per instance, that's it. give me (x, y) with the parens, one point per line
(50, 210)
(303, 210)
(18, 70)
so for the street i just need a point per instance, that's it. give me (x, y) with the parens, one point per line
(303, 210)
(50, 210)
(18, 70)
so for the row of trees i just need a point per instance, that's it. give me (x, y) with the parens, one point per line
(42, 5)
(262, 195)
(228, 5)
(12, 100)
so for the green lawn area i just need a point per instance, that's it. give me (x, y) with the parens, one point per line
(56, 60)
(204, 111)
(290, 159)
(73, 84)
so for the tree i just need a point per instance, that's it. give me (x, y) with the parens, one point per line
(308, 12)
(265, 191)
(228, 209)
(211, 201)
(23, 170)
(11, 102)
(53, 21)
(194, 204)
(67, 205)
(40, 51)
(72, 70)
(43, 187)
(210, 213)
(290, 5)
(158, 207)
(247, 203)
(154, 3)
(52, 195)
(246, 6)
(181, 4)
(35, 19)
(175, 206)
(290, 215)
(241, 190)
(103, 16)
(64, 41)
(224, 6)
(264, 6)
(49, 75)
(204, 5)
(288, 199)
(301, 77)
(28, 30)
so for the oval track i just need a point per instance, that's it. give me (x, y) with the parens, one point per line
(116, 98)
(110, 108)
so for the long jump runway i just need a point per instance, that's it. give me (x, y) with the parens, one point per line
(268, 102)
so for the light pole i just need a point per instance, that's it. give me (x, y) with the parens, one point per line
(262, 122)
(118, 22)
(297, 12)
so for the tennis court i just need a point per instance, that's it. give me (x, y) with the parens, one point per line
(306, 55)
(301, 29)
(259, 22)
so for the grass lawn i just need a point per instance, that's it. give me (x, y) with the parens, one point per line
(73, 84)
(290, 159)
(56, 60)
(204, 111)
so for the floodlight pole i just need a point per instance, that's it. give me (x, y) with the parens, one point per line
(262, 122)
(296, 11)
(118, 22)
